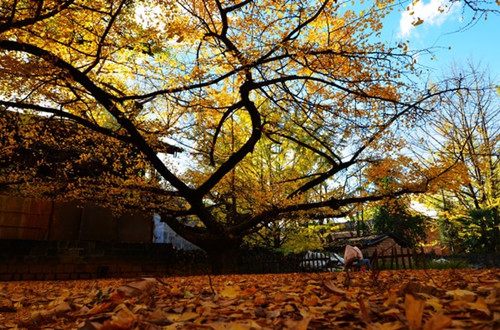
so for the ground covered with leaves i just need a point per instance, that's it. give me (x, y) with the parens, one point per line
(414, 299)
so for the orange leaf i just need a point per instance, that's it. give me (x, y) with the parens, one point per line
(101, 308)
(260, 300)
(234, 325)
(438, 321)
(249, 291)
(332, 288)
(280, 297)
(136, 288)
(299, 325)
(365, 313)
(312, 300)
(386, 326)
(121, 321)
(414, 309)
(417, 22)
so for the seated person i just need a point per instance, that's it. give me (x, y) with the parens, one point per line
(354, 257)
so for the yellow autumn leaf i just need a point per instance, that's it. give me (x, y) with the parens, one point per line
(232, 291)
(187, 316)
(392, 311)
(434, 303)
(460, 294)
(391, 300)
(340, 306)
(235, 326)
(417, 22)
(388, 325)
(480, 305)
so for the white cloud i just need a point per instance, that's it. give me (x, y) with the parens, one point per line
(433, 13)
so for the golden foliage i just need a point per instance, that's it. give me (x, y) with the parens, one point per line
(280, 106)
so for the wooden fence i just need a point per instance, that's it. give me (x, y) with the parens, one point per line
(395, 258)
(402, 258)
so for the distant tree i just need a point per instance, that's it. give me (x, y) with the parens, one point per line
(360, 217)
(467, 129)
(397, 218)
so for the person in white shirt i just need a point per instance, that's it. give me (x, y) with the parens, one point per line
(354, 256)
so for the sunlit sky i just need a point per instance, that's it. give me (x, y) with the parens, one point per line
(448, 29)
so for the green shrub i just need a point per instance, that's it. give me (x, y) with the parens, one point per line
(447, 264)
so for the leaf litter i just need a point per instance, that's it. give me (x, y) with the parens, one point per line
(404, 299)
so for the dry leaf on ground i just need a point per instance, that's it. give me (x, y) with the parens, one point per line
(411, 299)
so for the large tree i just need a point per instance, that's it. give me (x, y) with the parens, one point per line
(221, 80)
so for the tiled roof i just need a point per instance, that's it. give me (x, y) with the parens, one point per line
(365, 241)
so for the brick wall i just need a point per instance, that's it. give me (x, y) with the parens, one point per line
(50, 260)
(26, 219)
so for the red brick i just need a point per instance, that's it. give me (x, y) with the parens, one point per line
(48, 269)
(125, 268)
(23, 268)
(5, 277)
(69, 268)
(113, 268)
(29, 277)
(63, 276)
(4, 268)
(86, 268)
(49, 276)
(35, 268)
(60, 268)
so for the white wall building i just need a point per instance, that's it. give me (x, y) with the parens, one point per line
(164, 234)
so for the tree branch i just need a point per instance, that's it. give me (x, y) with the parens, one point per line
(11, 24)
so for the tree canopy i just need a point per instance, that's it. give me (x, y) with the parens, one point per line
(277, 105)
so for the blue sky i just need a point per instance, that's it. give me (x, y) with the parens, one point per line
(480, 42)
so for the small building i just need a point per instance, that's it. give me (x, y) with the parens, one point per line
(384, 250)
(164, 234)
(384, 244)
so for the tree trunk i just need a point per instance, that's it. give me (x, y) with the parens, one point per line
(223, 261)
(223, 253)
